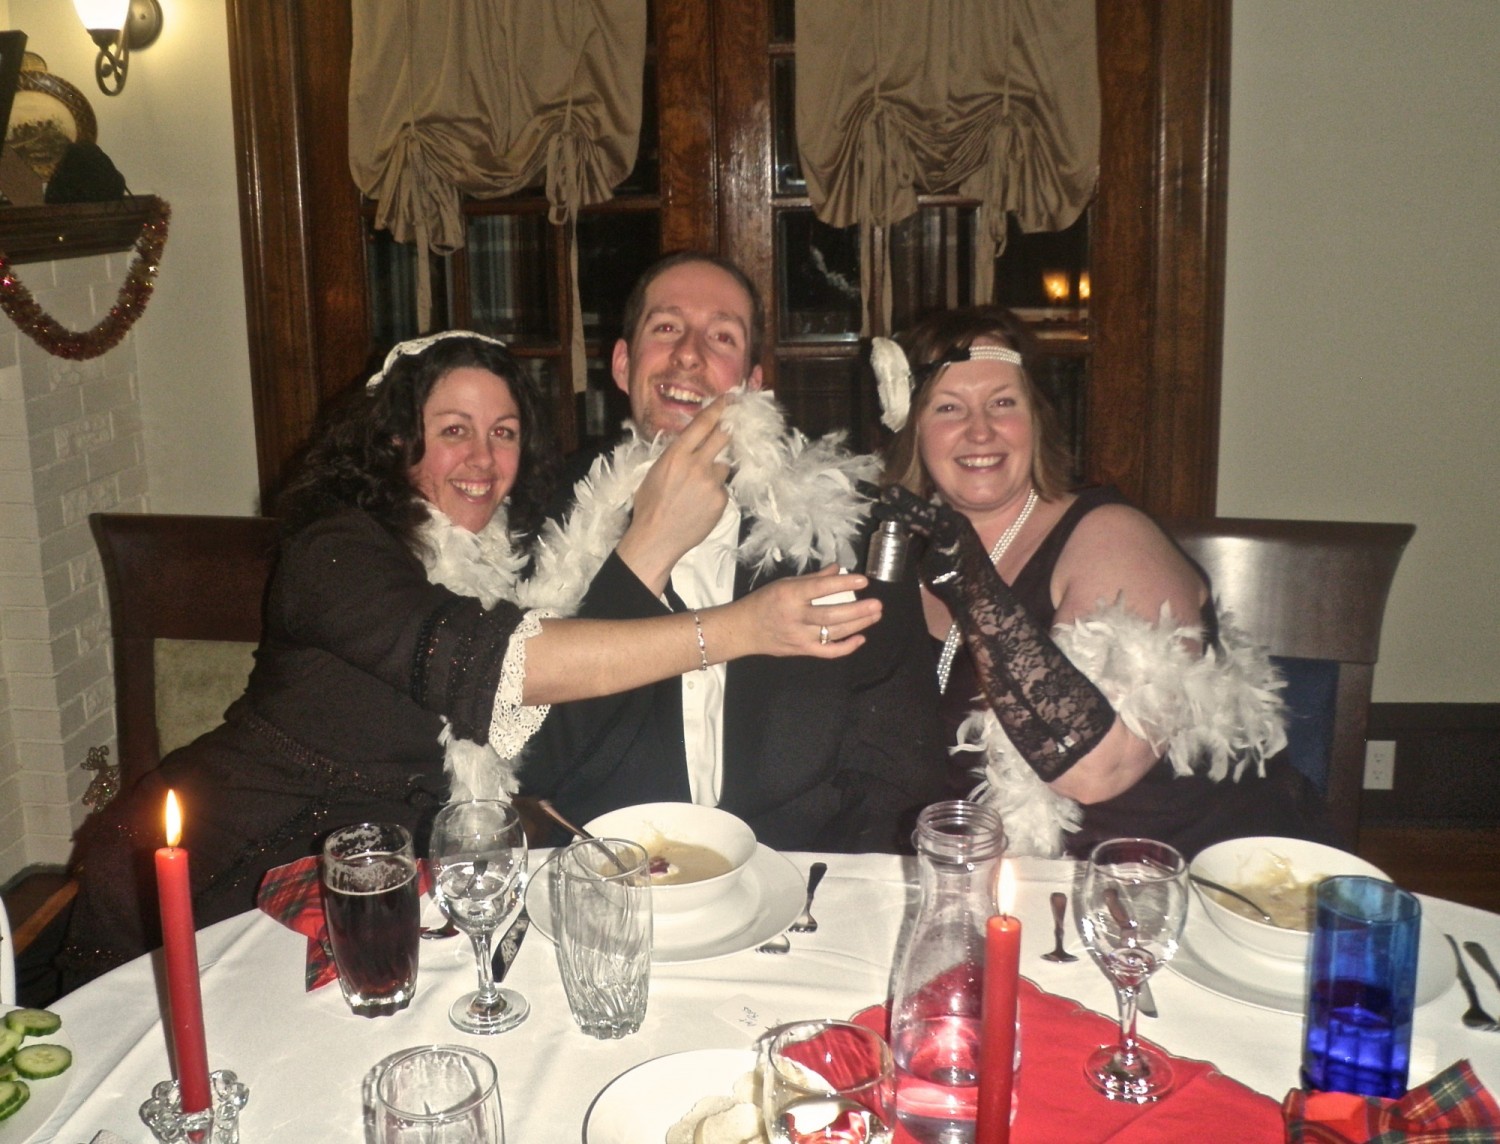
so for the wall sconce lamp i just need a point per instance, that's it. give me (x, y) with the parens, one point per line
(119, 27)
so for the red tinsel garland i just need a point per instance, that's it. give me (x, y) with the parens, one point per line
(62, 342)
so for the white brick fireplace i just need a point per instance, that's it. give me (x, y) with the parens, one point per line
(70, 444)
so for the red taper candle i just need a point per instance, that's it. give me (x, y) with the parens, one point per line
(180, 944)
(997, 1047)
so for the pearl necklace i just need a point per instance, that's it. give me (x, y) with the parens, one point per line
(950, 645)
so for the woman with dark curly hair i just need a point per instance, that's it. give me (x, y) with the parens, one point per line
(397, 668)
(1086, 676)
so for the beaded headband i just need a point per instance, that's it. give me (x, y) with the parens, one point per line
(417, 345)
(895, 379)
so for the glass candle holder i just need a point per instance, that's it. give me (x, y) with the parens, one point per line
(219, 1123)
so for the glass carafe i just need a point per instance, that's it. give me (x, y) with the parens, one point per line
(935, 1011)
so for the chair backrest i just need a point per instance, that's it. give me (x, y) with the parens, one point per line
(170, 578)
(1313, 593)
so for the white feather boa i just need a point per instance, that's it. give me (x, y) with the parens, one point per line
(1220, 712)
(484, 565)
(799, 495)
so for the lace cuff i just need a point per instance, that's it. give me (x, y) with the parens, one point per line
(513, 723)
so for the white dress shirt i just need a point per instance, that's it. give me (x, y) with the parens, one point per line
(704, 578)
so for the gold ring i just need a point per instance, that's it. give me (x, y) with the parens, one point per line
(823, 634)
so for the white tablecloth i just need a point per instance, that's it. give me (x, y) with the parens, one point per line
(304, 1055)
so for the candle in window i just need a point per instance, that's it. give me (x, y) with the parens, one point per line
(1055, 286)
(180, 945)
(997, 1052)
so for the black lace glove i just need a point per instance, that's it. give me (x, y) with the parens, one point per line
(1052, 712)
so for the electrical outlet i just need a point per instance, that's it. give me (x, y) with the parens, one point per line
(1380, 764)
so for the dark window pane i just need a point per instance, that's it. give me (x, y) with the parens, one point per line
(613, 249)
(931, 256)
(1064, 378)
(645, 176)
(510, 281)
(783, 21)
(392, 267)
(821, 394)
(789, 178)
(1032, 263)
(603, 407)
(818, 265)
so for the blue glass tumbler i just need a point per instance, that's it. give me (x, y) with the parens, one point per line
(1361, 987)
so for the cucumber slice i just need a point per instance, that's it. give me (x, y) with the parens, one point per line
(10, 1041)
(13, 1094)
(7, 1071)
(38, 1062)
(33, 1022)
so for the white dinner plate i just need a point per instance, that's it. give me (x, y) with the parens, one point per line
(46, 1095)
(767, 899)
(1210, 958)
(638, 1106)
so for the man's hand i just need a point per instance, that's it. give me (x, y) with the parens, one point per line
(679, 502)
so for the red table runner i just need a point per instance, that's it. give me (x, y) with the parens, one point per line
(1056, 1105)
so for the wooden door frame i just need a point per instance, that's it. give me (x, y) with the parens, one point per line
(1158, 255)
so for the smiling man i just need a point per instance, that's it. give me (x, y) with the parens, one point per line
(814, 754)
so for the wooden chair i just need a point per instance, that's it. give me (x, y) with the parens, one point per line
(1313, 593)
(171, 578)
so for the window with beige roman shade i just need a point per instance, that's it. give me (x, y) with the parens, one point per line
(448, 100)
(995, 100)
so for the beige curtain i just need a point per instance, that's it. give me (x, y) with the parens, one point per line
(998, 99)
(449, 98)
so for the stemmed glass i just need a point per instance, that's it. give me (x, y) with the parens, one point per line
(1131, 905)
(478, 853)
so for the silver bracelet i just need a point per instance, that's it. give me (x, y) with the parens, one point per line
(702, 647)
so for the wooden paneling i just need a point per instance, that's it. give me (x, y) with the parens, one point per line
(299, 215)
(685, 87)
(1158, 254)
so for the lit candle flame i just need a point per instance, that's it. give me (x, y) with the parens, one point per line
(1083, 286)
(174, 820)
(1007, 896)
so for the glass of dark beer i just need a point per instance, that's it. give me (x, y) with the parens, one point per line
(371, 905)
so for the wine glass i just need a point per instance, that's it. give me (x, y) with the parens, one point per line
(478, 853)
(1131, 905)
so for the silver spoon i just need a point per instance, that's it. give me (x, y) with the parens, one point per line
(1482, 959)
(805, 922)
(778, 944)
(1474, 1016)
(1059, 912)
(1235, 894)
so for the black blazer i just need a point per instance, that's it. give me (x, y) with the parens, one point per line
(834, 755)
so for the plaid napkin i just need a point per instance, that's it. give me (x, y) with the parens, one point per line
(1453, 1107)
(291, 894)
(1055, 1103)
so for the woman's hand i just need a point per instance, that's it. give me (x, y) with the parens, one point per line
(781, 619)
(954, 558)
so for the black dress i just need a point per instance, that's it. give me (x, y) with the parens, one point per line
(360, 661)
(1188, 811)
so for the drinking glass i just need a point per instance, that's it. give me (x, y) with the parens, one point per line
(826, 1082)
(601, 900)
(1362, 986)
(434, 1094)
(478, 854)
(1131, 905)
(371, 905)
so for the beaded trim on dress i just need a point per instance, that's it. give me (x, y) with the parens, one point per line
(484, 565)
(800, 496)
(1220, 713)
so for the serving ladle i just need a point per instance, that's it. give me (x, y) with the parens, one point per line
(1235, 894)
